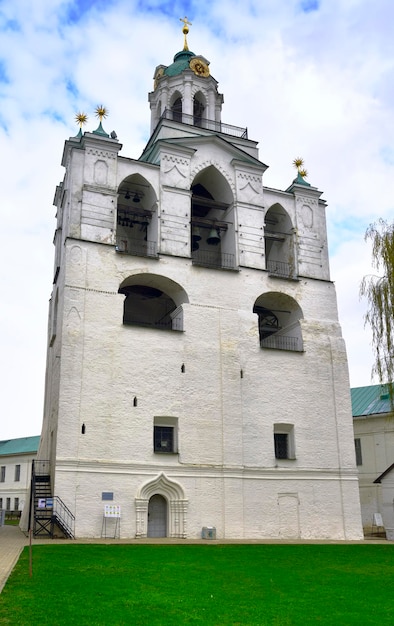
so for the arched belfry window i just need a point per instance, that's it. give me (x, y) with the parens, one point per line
(212, 221)
(177, 110)
(279, 318)
(153, 301)
(136, 220)
(279, 243)
(198, 110)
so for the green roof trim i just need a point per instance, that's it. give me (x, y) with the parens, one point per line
(100, 131)
(371, 400)
(24, 445)
(300, 180)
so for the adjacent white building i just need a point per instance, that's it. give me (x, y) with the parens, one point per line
(16, 456)
(196, 372)
(373, 423)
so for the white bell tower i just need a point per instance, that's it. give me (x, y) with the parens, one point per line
(185, 91)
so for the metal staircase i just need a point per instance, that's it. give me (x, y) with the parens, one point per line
(50, 516)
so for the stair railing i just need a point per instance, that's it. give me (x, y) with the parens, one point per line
(60, 513)
(63, 517)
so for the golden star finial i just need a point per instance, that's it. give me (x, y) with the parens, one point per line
(101, 112)
(299, 165)
(81, 119)
(185, 30)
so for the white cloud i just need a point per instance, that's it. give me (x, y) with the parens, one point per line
(308, 78)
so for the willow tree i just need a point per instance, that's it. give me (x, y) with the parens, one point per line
(379, 292)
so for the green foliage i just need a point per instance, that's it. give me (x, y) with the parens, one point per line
(379, 292)
(210, 584)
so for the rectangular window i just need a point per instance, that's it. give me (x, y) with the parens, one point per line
(284, 443)
(359, 457)
(17, 473)
(165, 434)
(16, 504)
(163, 439)
(8, 504)
(2, 474)
(1, 503)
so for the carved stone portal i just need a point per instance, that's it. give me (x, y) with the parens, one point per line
(177, 506)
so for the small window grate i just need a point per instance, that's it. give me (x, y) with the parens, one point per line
(163, 439)
(281, 445)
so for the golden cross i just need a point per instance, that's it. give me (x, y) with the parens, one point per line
(185, 22)
(185, 30)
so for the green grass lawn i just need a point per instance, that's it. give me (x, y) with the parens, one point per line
(206, 584)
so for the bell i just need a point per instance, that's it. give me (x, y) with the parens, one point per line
(213, 239)
(196, 237)
(196, 234)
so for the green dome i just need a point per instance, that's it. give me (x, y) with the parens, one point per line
(181, 63)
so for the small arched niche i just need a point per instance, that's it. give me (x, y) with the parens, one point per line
(212, 221)
(136, 222)
(279, 318)
(153, 301)
(279, 243)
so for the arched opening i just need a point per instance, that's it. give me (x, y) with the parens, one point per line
(279, 243)
(198, 109)
(279, 322)
(153, 301)
(136, 223)
(176, 109)
(157, 516)
(212, 221)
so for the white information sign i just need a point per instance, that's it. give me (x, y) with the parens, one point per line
(112, 510)
(377, 519)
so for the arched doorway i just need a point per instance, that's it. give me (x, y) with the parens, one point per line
(157, 516)
(175, 507)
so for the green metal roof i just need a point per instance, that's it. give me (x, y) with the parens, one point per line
(181, 63)
(370, 400)
(23, 445)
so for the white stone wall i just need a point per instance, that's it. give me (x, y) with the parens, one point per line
(225, 421)
(239, 504)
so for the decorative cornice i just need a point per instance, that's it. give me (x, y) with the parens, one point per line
(306, 200)
(105, 154)
(175, 159)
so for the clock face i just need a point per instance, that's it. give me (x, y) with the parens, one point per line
(158, 75)
(199, 67)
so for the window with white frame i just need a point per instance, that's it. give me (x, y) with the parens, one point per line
(359, 456)
(2, 474)
(17, 473)
(8, 504)
(284, 443)
(16, 504)
(165, 435)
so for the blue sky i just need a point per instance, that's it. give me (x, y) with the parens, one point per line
(307, 77)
